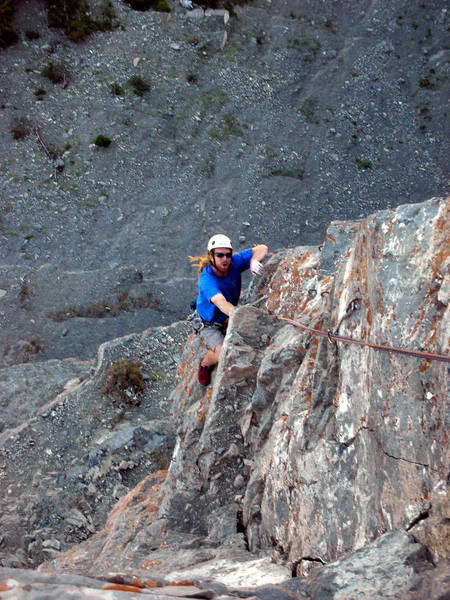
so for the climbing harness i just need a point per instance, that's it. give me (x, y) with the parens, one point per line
(334, 337)
(198, 323)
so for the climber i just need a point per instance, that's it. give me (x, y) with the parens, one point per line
(219, 288)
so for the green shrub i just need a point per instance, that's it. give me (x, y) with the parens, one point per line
(21, 129)
(227, 127)
(116, 89)
(208, 166)
(308, 46)
(124, 381)
(426, 82)
(56, 72)
(192, 77)
(308, 109)
(139, 85)
(363, 163)
(102, 140)
(74, 16)
(8, 34)
(295, 172)
(160, 459)
(40, 93)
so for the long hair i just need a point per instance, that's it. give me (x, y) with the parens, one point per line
(200, 261)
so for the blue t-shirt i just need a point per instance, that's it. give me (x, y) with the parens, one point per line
(211, 284)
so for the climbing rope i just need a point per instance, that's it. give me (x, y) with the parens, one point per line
(335, 337)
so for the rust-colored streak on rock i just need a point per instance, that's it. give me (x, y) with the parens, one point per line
(122, 588)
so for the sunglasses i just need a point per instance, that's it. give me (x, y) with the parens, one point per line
(222, 254)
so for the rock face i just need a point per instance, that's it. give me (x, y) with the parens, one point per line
(305, 453)
(318, 448)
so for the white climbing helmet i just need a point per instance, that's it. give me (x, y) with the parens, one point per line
(219, 241)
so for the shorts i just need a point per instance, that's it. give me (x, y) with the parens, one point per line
(213, 336)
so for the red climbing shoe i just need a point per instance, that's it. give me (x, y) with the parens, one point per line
(204, 374)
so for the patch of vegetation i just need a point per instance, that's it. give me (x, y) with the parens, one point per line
(116, 89)
(74, 16)
(427, 82)
(308, 109)
(270, 152)
(296, 172)
(424, 111)
(31, 347)
(158, 5)
(363, 163)
(330, 26)
(213, 100)
(308, 46)
(22, 128)
(127, 303)
(8, 34)
(40, 93)
(424, 114)
(160, 459)
(304, 18)
(104, 308)
(139, 85)
(56, 71)
(260, 37)
(192, 77)
(25, 293)
(228, 126)
(102, 141)
(124, 381)
(208, 166)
